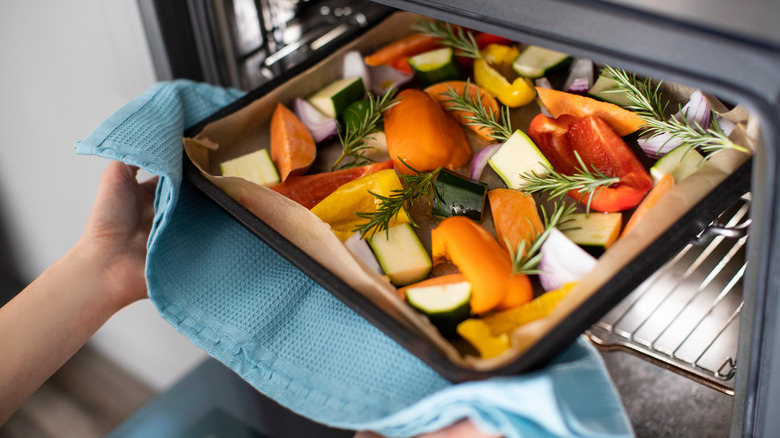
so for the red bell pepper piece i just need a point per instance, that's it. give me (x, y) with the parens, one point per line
(599, 147)
(309, 190)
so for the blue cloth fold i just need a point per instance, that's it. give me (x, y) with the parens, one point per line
(231, 295)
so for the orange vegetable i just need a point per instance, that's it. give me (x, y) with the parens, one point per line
(419, 132)
(623, 121)
(435, 281)
(437, 93)
(292, 146)
(663, 186)
(515, 216)
(403, 48)
(483, 262)
(520, 292)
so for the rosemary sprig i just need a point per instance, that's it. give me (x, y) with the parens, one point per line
(648, 104)
(526, 262)
(500, 129)
(586, 181)
(463, 41)
(353, 141)
(415, 186)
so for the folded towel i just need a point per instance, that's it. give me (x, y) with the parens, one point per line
(231, 295)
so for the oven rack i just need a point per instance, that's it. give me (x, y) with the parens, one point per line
(686, 316)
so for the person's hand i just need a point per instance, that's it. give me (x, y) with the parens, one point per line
(117, 231)
(461, 429)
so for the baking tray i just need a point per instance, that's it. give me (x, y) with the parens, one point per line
(545, 348)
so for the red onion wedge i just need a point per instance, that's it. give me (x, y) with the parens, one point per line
(697, 111)
(563, 261)
(355, 66)
(580, 77)
(360, 249)
(480, 160)
(383, 77)
(321, 127)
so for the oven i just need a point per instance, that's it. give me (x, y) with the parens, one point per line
(709, 313)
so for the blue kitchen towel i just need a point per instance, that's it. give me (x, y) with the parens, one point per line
(245, 305)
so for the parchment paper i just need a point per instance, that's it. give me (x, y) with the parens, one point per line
(247, 130)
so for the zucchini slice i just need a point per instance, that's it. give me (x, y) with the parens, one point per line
(534, 62)
(435, 66)
(594, 232)
(445, 305)
(519, 155)
(454, 195)
(401, 254)
(256, 167)
(680, 162)
(336, 97)
(605, 89)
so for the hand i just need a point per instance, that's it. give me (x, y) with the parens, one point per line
(118, 229)
(461, 429)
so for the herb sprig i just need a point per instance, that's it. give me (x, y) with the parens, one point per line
(415, 187)
(463, 41)
(587, 181)
(500, 127)
(353, 141)
(648, 104)
(526, 262)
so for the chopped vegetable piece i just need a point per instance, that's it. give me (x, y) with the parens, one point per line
(419, 132)
(256, 167)
(515, 217)
(623, 121)
(534, 62)
(445, 305)
(454, 195)
(664, 185)
(563, 261)
(681, 162)
(594, 232)
(438, 92)
(308, 190)
(481, 159)
(292, 147)
(401, 255)
(520, 292)
(435, 66)
(507, 321)
(518, 156)
(402, 49)
(360, 249)
(321, 127)
(336, 96)
(478, 256)
(435, 281)
(477, 333)
(512, 94)
(338, 209)
(605, 88)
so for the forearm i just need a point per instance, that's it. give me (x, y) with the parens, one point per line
(47, 323)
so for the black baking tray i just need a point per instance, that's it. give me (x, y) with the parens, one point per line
(546, 348)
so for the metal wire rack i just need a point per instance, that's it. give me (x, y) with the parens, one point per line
(685, 317)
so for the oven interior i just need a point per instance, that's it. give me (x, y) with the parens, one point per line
(704, 322)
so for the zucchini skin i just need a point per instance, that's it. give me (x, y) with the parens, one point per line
(454, 195)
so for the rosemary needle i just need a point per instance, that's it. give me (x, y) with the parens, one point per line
(353, 141)
(647, 102)
(415, 186)
(461, 40)
(587, 182)
(500, 129)
(526, 262)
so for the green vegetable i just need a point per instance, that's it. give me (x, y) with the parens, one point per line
(256, 167)
(680, 162)
(518, 156)
(445, 305)
(535, 62)
(401, 255)
(334, 98)
(435, 66)
(594, 232)
(454, 195)
(356, 112)
(605, 88)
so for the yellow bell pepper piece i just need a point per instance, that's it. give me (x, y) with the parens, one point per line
(491, 72)
(338, 209)
(477, 333)
(506, 321)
